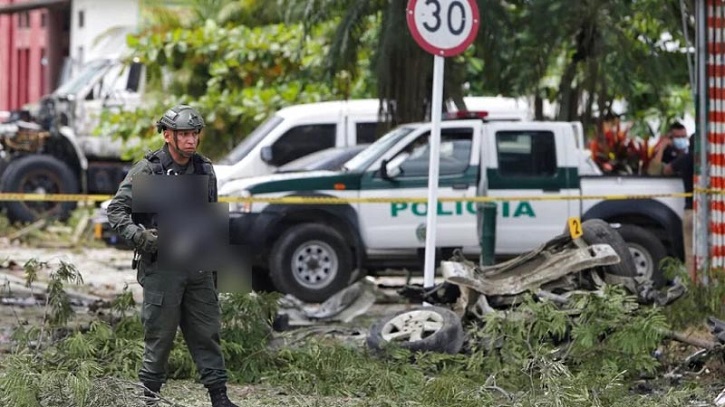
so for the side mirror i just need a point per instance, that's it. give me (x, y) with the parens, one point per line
(390, 169)
(266, 154)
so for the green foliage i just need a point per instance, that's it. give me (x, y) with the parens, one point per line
(63, 371)
(563, 52)
(246, 332)
(236, 76)
(60, 308)
(701, 299)
(535, 355)
(581, 55)
(608, 334)
(578, 356)
(237, 62)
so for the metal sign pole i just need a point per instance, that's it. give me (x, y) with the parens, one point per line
(701, 200)
(434, 163)
(443, 28)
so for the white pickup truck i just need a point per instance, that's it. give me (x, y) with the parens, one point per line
(313, 250)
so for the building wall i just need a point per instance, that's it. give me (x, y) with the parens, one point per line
(41, 48)
(98, 28)
(6, 38)
(30, 59)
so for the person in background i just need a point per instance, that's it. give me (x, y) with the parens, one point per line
(672, 145)
(675, 156)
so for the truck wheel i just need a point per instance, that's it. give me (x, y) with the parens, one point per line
(598, 231)
(39, 174)
(428, 329)
(311, 262)
(647, 251)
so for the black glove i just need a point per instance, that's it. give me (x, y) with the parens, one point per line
(145, 240)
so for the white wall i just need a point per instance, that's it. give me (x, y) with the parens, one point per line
(100, 16)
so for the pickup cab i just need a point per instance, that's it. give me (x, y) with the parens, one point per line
(299, 130)
(313, 250)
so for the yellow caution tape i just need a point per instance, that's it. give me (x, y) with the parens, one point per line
(710, 191)
(335, 200)
(53, 197)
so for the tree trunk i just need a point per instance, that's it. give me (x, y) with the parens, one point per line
(403, 69)
(566, 90)
(538, 107)
(591, 93)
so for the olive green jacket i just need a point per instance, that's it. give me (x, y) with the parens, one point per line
(119, 210)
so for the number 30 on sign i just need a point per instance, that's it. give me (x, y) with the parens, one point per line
(443, 27)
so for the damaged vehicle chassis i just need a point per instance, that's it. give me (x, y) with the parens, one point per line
(562, 266)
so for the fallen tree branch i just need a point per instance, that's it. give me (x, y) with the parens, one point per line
(18, 284)
(700, 343)
(38, 224)
(490, 384)
(80, 228)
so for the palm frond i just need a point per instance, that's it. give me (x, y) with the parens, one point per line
(349, 36)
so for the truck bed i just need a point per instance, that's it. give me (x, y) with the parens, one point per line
(617, 186)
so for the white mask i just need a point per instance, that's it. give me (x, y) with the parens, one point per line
(681, 143)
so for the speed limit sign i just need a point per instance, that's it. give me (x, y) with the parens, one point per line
(443, 27)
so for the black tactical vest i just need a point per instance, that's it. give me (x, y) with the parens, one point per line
(156, 160)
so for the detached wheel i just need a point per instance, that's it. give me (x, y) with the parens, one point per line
(311, 262)
(428, 329)
(598, 231)
(39, 174)
(647, 251)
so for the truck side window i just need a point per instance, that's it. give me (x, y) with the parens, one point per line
(526, 153)
(455, 153)
(366, 132)
(302, 140)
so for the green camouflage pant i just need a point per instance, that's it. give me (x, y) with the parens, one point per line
(187, 300)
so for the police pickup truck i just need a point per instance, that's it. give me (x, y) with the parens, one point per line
(313, 250)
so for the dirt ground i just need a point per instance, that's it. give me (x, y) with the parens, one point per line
(107, 270)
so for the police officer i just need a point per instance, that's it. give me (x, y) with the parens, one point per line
(173, 298)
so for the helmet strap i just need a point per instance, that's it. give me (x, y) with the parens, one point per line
(175, 146)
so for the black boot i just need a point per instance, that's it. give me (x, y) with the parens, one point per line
(218, 395)
(148, 392)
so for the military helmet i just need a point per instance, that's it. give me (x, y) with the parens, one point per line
(181, 117)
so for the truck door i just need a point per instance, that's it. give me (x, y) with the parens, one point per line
(528, 160)
(402, 225)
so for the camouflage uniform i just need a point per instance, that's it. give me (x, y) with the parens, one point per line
(173, 298)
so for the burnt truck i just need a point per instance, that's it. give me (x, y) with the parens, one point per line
(50, 148)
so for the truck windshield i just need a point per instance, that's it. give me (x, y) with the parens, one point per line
(251, 141)
(83, 78)
(366, 157)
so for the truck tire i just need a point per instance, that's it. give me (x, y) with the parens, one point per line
(39, 173)
(311, 262)
(426, 329)
(647, 251)
(598, 231)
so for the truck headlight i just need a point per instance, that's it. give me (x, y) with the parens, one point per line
(239, 206)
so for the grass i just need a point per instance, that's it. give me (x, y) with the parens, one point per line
(608, 359)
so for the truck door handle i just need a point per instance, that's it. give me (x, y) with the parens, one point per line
(552, 189)
(460, 186)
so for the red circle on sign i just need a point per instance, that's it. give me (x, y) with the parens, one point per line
(427, 46)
